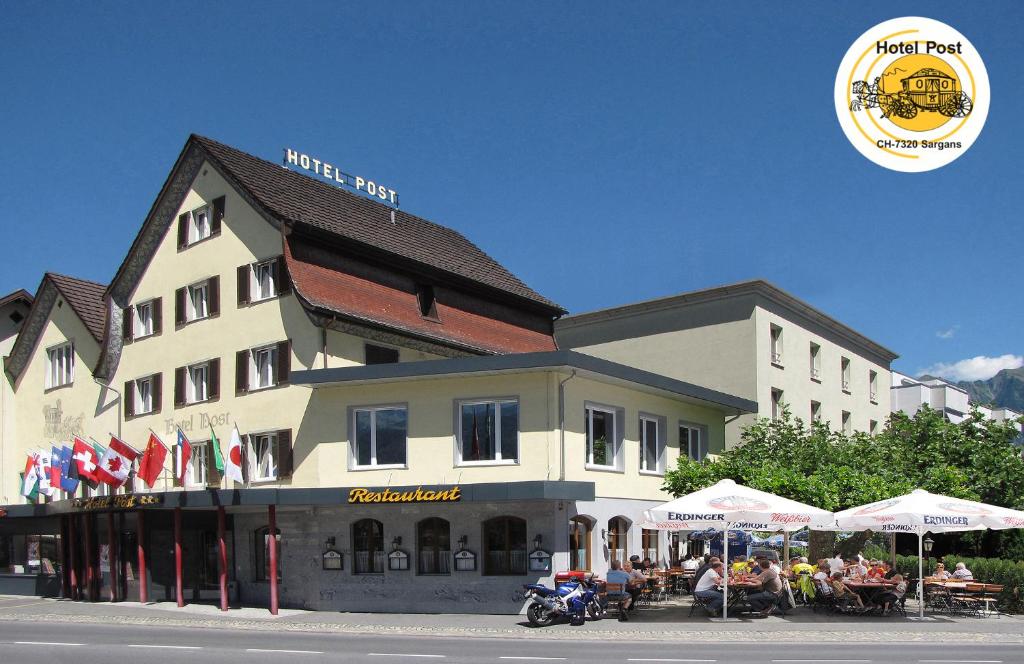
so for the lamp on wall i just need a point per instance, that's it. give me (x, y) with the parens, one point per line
(462, 542)
(604, 534)
(395, 543)
(536, 541)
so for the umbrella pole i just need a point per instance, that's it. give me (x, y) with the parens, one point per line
(725, 572)
(920, 573)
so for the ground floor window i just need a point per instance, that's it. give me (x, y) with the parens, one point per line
(262, 549)
(618, 527)
(579, 543)
(368, 556)
(504, 539)
(649, 544)
(433, 546)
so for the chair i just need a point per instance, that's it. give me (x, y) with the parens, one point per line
(699, 603)
(615, 595)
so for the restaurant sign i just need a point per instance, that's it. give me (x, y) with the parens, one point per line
(452, 495)
(327, 170)
(123, 502)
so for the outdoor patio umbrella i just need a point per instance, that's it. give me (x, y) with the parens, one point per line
(920, 512)
(728, 505)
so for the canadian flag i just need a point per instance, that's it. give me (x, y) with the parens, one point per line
(116, 463)
(86, 459)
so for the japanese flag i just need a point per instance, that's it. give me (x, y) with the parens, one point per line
(116, 463)
(233, 462)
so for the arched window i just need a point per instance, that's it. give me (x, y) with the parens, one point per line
(579, 543)
(617, 528)
(504, 546)
(368, 556)
(261, 549)
(433, 546)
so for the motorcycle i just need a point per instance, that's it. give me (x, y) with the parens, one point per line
(573, 599)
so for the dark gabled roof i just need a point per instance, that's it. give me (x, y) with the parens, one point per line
(305, 201)
(20, 295)
(86, 298)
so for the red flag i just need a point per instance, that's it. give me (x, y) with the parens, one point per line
(184, 455)
(86, 459)
(153, 458)
(116, 462)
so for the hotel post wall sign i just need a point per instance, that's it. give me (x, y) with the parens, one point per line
(912, 94)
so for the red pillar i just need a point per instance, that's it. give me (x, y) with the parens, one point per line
(90, 565)
(222, 559)
(272, 517)
(112, 555)
(73, 554)
(140, 540)
(178, 583)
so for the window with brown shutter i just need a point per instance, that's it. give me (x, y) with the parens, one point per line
(213, 380)
(127, 323)
(283, 453)
(218, 215)
(284, 362)
(241, 372)
(183, 230)
(157, 393)
(158, 316)
(128, 399)
(179, 307)
(242, 281)
(179, 387)
(214, 295)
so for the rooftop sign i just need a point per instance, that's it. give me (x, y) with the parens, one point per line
(331, 172)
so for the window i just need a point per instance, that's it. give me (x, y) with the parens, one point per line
(776, 344)
(651, 444)
(198, 306)
(777, 403)
(261, 548)
(692, 440)
(488, 431)
(262, 367)
(263, 282)
(433, 546)
(504, 540)
(846, 423)
(368, 547)
(263, 465)
(873, 386)
(815, 411)
(197, 301)
(60, 365)
(579, 543)
(425, 300)
(197, 383)
(263, 362)
(143, 319)
(143, 396)
(379, 437)
(618, 527)
(197, 471)
(199, 226)
(873, 427)
(602, 442)
(380, 354)
(649, 545)
(845, 369)
(815, 362)
(201, 223)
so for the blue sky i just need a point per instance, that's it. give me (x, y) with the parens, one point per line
(605, 152)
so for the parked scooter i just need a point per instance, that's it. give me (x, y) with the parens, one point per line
(573, 599)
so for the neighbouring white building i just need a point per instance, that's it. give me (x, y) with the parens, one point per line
(910, 394)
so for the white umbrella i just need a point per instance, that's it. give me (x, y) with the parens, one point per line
(920, 512)
(728, 505)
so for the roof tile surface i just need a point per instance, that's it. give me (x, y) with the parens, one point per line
(86, 298)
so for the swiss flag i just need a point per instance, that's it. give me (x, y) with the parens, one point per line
(86, 459)
(116, 463)
(153, 458)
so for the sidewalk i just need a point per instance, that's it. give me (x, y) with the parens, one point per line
(658, 623)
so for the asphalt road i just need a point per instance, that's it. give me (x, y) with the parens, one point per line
(60, 643)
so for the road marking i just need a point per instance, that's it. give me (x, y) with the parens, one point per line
(399, 654)
(964, 661)
(653, 659)
(295, 652)
(546, 659)
(851, 661)
(168, 647)
(46, 643)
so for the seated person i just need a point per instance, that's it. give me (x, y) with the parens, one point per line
(637, 582)
(961, 572)
(876, 570)
(940, 572)
(692, 563)
(889, 571)
(802, 567)
(822, 571)
(617, 575)
(702, 570)
(739, 565)
(647, 566)
(771, 586)
(890, 597)
(855, 568)
(707, 588)
(843, 593)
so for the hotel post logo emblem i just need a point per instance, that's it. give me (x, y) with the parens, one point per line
(912, 94)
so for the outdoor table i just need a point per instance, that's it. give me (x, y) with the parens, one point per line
(868, 590)
(738, 591)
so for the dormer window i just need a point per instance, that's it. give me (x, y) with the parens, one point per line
(200, 223)
(425, 299)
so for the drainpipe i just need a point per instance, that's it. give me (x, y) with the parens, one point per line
(561, 426)
(120, 402)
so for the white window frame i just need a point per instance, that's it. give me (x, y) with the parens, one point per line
(693, 429)
(615, 453)
(846, 420)
(198, 466)
(873, 386)
(256, 293)
(354, 444)
(777, 403)
(659, 444)
(191, 387)
(497, 460)
(60, 365)
(143, 327)
(873, 427)
(199, 230)
(140, 396)
(815, 412)
(191, 292)
(815, 361)
(844, 370)
(775, 339)
(255, 382)
(257, 466)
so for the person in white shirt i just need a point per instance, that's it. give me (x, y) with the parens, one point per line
(707, 588)
(961, 572)
(692, 563)
(836, 564)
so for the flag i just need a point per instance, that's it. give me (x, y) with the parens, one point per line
(233, 465)
(86, 459)
(218, 458)
(55, 467)
(43, 473)
(183, 455)
(68, 471)
(153, 458)
(116, 463)
(30, 479)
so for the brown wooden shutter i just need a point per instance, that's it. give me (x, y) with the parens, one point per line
(213, 294)
(157, 308)
(213, 379)
(283, 453)
(128, 399)
(281, 277)
(218, 215)
(179, 387)
(158, 392)
(179, 306)
(284, 362)
(182, 230)
(127, 324)
(212, 474)
(242, 281)
(241, 372)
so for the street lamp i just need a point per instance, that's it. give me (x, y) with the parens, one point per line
(928, 543)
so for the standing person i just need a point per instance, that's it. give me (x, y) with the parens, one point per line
(771, 586)
(836, 564)
(707, 588)
(618, 575)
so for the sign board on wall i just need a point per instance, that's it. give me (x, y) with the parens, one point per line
(329, 171)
